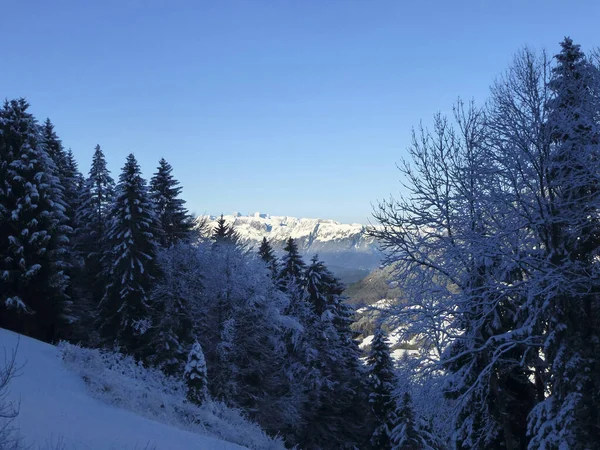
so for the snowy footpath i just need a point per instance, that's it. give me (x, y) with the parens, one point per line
(56, 407)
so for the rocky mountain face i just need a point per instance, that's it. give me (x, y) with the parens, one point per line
(345, 248)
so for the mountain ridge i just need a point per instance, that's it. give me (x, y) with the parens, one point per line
(346, 248)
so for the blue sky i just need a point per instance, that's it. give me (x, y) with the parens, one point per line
(289, 107)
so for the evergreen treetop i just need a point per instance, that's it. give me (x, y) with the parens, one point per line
(266, 253)
(195, 375)
(382, 399)
(224, 234)
(33, 230)
(125, 310)
(175, 223)
(293, 267)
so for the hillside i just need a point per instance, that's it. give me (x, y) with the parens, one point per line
(372, 288)
(56, 406)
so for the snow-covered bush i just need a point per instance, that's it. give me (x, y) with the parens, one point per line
(195, 376)
(9, 438)
(120, 380)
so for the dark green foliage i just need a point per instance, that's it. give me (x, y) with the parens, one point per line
(71, 181)
(266, 253)
(33, 231)
(336, 404)
(172, 297)
(292, 265)
(571, 241)
(97, 195)
(382, 401)
(125, 310)
(175, 223)
(224, 234)
(405, 436)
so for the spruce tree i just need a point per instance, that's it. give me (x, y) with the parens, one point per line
(382, 400)
(173, 297)
(266, 253)
(406, 435)
(73, 182)
(175, 223)
(570, 416)
(92, 241)
(195, 376)
(336, 416)
(54, 148)
(125, 314)
(292, 266)
(224, 234)
(70, 181)
(33, 234)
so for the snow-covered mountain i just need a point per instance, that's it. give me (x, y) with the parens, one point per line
(345, 248)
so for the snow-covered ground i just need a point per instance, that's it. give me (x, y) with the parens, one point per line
(55, 406)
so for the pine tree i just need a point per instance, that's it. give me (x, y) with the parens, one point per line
(125, 314)
(70, 181)
(407, 435)
(266, 253)
(292, 266)
(96, 200)
(335, 417)
(73, 183)
(54, 148)
(382, 386)
(175, 223)
(33, 234)
(174, 293)
(195, 376)
(570, 240)
(224, 234)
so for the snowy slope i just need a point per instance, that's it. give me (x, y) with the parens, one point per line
(344, 247)
(55, 405)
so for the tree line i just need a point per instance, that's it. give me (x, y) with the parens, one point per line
(123, 266)
(495, 244)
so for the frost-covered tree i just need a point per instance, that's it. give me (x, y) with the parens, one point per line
(335, 406)
(175, 223)
(568, 307)
(453, 243)
(99, 191)
(266, 253)
(195, 375)
(382, 400)
(66, 171)
(179, 287)
(33, 234)
(406, 435)
(495, 249)
(96, 196)
(225, 234)
(292, 266)
(73, 182)
(237, 315)
(319, 285)
(70, 182)
(125, 310)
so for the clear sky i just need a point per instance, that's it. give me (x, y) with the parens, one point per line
(289, 107)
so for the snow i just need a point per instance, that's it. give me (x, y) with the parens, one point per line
(366, 341)
(56, 406)
(279, 228)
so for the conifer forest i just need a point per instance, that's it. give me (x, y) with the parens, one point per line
(494, 244)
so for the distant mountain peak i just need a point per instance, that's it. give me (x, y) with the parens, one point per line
(342, 246)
